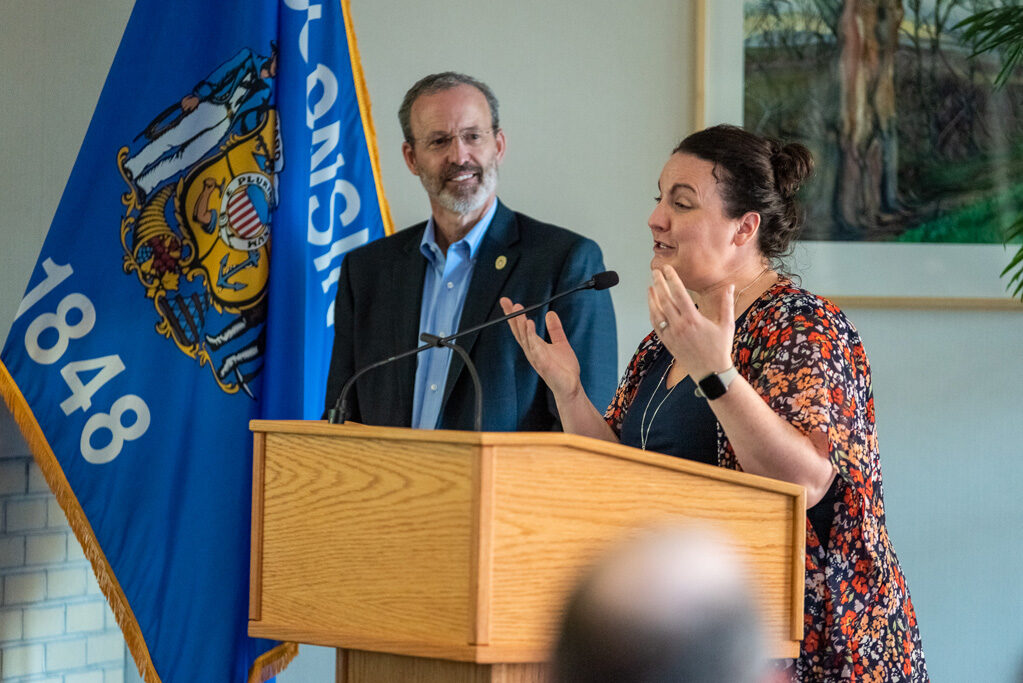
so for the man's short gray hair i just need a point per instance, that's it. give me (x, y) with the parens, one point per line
(435, 83)
(666, 605)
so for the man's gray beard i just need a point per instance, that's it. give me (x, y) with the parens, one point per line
(475, 201)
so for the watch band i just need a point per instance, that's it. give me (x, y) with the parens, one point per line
(716, 384)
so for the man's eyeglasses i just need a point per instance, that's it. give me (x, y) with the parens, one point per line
(471, 137)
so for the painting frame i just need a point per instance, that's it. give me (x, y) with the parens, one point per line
(854, 274)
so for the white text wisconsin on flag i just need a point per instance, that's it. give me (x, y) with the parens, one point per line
(185, 287)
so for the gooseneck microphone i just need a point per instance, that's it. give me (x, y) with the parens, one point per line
(604, 280)
(339, 412)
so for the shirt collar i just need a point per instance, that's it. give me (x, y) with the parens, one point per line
(431, 250)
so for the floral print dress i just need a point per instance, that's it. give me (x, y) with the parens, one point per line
(805, 359)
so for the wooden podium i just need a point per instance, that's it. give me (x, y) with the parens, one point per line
(446, 556)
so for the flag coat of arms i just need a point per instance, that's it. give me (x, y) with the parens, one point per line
(185, 287)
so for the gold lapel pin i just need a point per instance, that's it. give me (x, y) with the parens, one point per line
(501, 262)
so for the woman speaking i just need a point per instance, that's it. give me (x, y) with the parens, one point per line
(746, 370)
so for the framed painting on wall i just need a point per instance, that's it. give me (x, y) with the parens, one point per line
(919, 158)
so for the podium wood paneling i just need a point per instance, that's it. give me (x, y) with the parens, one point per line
(355, 666)
(461, 546)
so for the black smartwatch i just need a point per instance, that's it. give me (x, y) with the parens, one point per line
(716, 384)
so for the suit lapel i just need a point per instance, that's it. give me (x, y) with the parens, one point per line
(407, 273)
(487, 282)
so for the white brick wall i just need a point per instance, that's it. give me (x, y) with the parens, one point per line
(55, 624)
(105, 649)
(23, 660)
(54, 515)
(87, 677)
(41, 622)
(13, 477)
(85, 617)
(65, 654)
(10, 625)
(25, 587)
(74, 548)
(12, 550)
(36, 481)
(46, 548)
(13, 445)
(26, 513)
(65, 583)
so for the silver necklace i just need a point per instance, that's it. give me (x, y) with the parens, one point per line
(644, 428)
(735, 301)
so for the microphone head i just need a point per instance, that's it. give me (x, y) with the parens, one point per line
(604, 280)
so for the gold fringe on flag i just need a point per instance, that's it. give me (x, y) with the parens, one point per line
(266, 666)
(54, 475)
(272, 662)
(365, 113)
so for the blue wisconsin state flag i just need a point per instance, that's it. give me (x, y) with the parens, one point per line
(185, 287)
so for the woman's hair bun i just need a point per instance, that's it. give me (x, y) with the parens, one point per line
(792, 164)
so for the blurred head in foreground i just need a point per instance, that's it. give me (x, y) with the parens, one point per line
(666, 605)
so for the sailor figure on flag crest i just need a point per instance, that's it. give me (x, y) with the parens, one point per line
(196, 229)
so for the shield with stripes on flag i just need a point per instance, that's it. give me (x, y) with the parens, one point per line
(247, 213)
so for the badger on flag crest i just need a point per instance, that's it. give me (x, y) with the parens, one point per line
(196, 228)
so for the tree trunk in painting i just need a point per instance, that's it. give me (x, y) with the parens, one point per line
(866, 192)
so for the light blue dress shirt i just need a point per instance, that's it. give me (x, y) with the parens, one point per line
(444, 288)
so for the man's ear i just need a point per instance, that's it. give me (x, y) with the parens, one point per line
(409, 154)
(501, 142)
(749, 225)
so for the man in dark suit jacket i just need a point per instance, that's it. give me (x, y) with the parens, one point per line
(447, 274)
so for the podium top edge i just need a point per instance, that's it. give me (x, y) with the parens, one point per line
(485, 439)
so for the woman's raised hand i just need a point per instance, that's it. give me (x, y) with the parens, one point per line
(700, 338)
(554, 361)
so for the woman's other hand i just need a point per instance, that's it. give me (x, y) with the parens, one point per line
(558, 367)
(554, 361)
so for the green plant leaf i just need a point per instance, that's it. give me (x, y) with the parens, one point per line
(1001, 29)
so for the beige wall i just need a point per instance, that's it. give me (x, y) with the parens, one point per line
(54, 622)
(55, 55)
(594, 93)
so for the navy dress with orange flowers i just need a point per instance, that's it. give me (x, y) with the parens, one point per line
(805, 359)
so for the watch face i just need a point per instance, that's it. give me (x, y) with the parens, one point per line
(712, 387)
